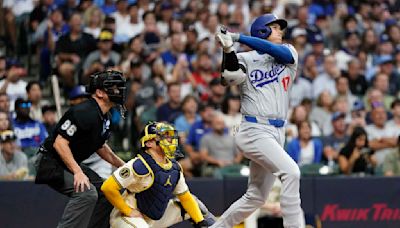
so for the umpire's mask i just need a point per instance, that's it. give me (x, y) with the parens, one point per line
(165, 135)
(113, 83)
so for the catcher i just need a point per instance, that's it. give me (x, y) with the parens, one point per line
(152, 180)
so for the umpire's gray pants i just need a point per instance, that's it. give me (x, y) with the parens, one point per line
(79, 208)
(262, 144)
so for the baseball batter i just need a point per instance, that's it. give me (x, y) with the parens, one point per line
(265, 76)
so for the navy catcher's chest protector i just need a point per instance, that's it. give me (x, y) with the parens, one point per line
(154, 201)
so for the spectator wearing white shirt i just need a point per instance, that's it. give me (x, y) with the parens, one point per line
(122, 21)
(343, 90)
(382, 137)
(321, 114)
(395, 121)
(231, 112)
(12, 84)
(326, 81)
(94, 23)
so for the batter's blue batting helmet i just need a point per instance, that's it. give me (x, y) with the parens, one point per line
(260, 27)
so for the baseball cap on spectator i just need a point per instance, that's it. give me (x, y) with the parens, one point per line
(298, 32)
(77, 92)
(7, 135)
(106, 35)
(338, 115)
(22, 103)
(204, 106)
(390, 22)
(316, 38)
(358, 105)
(384, 59)
(49, 108)
(54, 8)
(377, 104)
(166, 6)
(13, 63)
(152, 40)
(348, 34)
(383, 38)
(215, 81)
(135, 63)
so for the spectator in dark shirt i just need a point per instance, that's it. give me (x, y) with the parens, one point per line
(50, 31)
(49, 113)
(217, 93)
(357, 83)
(68, 8)
(336, 141)
(356, 156)
(171, 109)
(40, 12)
(72, 49)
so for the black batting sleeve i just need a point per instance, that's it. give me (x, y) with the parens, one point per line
(230, 61)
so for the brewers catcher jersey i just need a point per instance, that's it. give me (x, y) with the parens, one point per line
(135, 183)
(265, 92)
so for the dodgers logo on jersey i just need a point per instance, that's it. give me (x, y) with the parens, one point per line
(260, 78)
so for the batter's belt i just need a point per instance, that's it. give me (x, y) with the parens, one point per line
(269, 121)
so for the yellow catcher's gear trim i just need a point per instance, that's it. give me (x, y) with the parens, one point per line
(148, 168)
(111, 188)
(166, 166)
(119, 184)
(139, 175)
(147, 136)
(191, 207)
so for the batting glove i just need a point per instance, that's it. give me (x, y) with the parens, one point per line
(225, 39)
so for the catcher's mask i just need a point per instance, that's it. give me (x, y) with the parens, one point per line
(165, 135)
(113, 83)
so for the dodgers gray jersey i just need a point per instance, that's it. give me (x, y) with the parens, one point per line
(265, 92)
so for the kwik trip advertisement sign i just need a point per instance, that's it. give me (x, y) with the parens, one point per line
(357, 202)
(378, 212)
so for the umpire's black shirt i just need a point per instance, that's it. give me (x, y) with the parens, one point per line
(85, 127)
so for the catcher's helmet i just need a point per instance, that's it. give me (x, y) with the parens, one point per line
(165, 135)
(260, 27)
(112, 82)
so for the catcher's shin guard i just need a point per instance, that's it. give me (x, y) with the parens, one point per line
(209, 218)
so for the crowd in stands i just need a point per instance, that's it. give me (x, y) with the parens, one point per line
(344, 103)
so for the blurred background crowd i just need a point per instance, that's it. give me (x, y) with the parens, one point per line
(345, 107)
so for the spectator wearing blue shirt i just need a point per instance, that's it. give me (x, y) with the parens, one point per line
(30, 133)
(305, 150)
(170, 57)
(191, 165)
(189, 115)
(171, 109)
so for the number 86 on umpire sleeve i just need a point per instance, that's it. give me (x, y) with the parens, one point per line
(68, 127)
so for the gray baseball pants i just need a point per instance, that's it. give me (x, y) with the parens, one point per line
(79, 209)
(263, 145)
